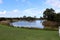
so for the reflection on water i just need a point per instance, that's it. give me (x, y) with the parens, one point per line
(30, 24)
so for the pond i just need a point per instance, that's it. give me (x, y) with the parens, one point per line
(29, 24)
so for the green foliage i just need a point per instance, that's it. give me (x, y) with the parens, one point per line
(58, 17)
(50, 14)
(29, 18)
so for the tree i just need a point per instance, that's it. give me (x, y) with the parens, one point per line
(34, 16)
(58, 17)
(49, 14)
(24, 16)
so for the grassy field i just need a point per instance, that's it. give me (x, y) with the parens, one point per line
(11, 33)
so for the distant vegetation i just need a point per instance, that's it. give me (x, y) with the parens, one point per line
(20, 18)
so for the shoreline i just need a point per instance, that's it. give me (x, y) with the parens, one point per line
(48, 24)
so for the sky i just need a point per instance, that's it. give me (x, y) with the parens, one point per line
(20, 8)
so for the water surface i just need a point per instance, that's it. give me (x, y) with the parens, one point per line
(29, 24)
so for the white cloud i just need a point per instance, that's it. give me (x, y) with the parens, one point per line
(1, 1)
(15, 11)
(57, 10)
(31, 12)
(53, 3)
(27, 12)
(3, 12)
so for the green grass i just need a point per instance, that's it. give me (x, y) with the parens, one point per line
(11, 33)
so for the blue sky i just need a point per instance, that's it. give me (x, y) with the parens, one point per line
(19, 8)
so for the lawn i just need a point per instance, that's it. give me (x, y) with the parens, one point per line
(11, 33)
